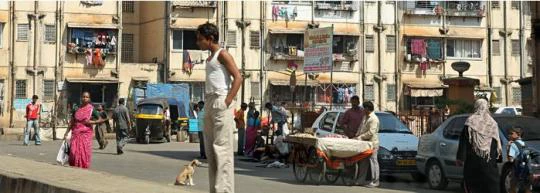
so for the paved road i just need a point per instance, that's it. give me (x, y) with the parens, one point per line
(161, 163)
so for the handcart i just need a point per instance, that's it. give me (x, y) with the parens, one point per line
(310, 158)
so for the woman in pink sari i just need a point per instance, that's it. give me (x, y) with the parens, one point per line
(254, 125)
(80, 152)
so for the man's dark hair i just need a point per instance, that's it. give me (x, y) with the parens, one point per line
(243, 106)
(355, 97)
(208, 31)
(268, 105)
(121, 101)
(35, 97)
(368, 106)
(201, 104)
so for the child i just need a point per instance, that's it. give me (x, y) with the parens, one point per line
(515, 148)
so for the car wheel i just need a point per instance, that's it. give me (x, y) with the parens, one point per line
(436, 178)
(506, 179)
(418, 177)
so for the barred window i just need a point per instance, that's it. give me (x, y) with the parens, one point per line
(128, 48)
(20, 89)
(50, 33)
(496, 47)
(370, 44)
(515, 48)
(48, 90)
(254, 39)
(128, 6)
(184, 40)
(390, 43)
(22, 32)
(231, 39)
(368, 93)
(255, 86)
(495, 4)
(515, 4)
(516, 95)
(391, 92)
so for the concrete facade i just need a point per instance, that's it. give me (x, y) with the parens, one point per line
(373, 57)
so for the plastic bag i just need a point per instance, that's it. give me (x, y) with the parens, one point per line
(63, 154)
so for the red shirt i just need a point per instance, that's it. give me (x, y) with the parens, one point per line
(351, 121)
(32, 111)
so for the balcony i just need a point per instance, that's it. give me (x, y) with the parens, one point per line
(466, 9)
(194, 4)
(336, 6)
(423, 7)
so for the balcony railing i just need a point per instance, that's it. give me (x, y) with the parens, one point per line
(336, 6)
(192, 4)
(465, 8)
(451, 8)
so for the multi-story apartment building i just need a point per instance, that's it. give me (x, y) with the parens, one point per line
(396, 54)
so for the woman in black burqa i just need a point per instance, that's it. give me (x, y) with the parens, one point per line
(479, 151)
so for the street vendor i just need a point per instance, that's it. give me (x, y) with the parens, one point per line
(369, 132)
(352, 119)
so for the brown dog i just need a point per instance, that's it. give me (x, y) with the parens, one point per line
(185, 177)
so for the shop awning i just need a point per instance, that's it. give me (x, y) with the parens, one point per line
(93, 25)
(93, 80)
(428, 88)
(283, 79)
(281, 27)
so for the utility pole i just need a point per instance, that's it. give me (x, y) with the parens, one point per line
(242, 24)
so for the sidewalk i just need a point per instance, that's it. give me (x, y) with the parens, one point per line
(19, 175)
(45, 134)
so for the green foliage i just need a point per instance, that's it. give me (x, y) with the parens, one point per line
(464, 107)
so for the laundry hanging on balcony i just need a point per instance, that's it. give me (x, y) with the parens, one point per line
(423, 66)
(187, 64)
(418, 46)
(434, 49)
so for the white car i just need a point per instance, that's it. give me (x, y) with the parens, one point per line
(397, 144)
(508, 111)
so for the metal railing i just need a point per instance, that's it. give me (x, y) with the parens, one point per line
(194, 3)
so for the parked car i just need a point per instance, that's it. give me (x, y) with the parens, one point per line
(437, 151)
(508, 110)
(397, 144)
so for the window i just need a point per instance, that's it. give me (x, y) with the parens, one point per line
(184, 40)
(515, 4)
(390, 92)
(515, 48)
(196, 91)
(86, 38)
(327, 123)
(453, 130)
(496, 47)
(231, 39)
(390, 43)
(128, 6)
(50, 33)
(20, 89)
(370, 44)
(128, 48)
(48, 90)
(516, 95)
(433, 47)
(342, 44)
(422, 101)
(508, 111)
(464, 48)
(283, 43)
(369, 93)
(254, 39)
(22, 32)
(495, 4)
(255, 86)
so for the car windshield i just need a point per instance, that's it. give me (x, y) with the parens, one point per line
(528, 124)
(150, 109)
(390, 124)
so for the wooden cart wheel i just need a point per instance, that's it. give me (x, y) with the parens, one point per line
(299, 164)
(350, 174)
(331, 175)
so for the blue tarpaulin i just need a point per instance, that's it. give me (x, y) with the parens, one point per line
(178, 91)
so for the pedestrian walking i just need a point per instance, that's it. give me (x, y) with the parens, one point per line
(200, 124)
(352, 119)
(479, 149)
(279, 117)
(121, 123)
(517, 155)
(253, 125)
(240, 120)
(167, 121)
(80, 148)
(369, 132)
(101, 128)
(219, 122)
(33, 111)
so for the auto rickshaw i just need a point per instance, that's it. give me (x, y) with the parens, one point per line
(179, 119)
(150, 121)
